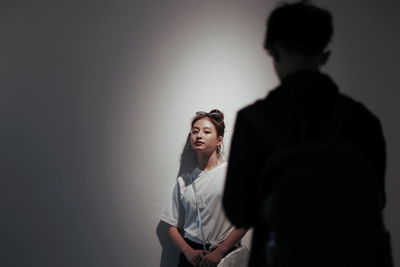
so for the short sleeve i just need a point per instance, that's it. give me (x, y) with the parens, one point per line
(173, 211)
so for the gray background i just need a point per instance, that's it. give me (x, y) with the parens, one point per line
(96, 100)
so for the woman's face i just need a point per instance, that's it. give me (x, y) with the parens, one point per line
(203, 136)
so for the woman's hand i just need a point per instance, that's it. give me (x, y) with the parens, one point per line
(212, 259)
(195, 256)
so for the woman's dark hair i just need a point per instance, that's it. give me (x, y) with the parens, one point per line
(215, 116)
(299, 27)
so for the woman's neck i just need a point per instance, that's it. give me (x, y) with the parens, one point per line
(208, 161)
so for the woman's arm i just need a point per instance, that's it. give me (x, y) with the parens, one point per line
(192, 255)
(222, 249)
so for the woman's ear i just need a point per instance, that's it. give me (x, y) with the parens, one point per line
(220, 140)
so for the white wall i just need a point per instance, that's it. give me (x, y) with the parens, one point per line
(96, 101)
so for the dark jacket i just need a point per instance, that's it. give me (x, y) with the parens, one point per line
(297, 111)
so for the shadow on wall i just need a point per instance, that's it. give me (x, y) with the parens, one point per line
(169, 253)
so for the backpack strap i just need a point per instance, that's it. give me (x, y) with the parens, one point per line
(198, 214)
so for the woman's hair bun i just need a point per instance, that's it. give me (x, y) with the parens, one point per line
(219, 112)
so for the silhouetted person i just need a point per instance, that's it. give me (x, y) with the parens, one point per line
(307, 164)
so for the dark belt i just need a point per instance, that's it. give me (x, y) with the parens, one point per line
(196, 246)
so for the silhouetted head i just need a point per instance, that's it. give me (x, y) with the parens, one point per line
(207, 131)
(299, 27)
(297, 36)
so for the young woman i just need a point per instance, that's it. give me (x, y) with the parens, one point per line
(195, 206)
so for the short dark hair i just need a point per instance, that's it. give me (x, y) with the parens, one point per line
(299, 27)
